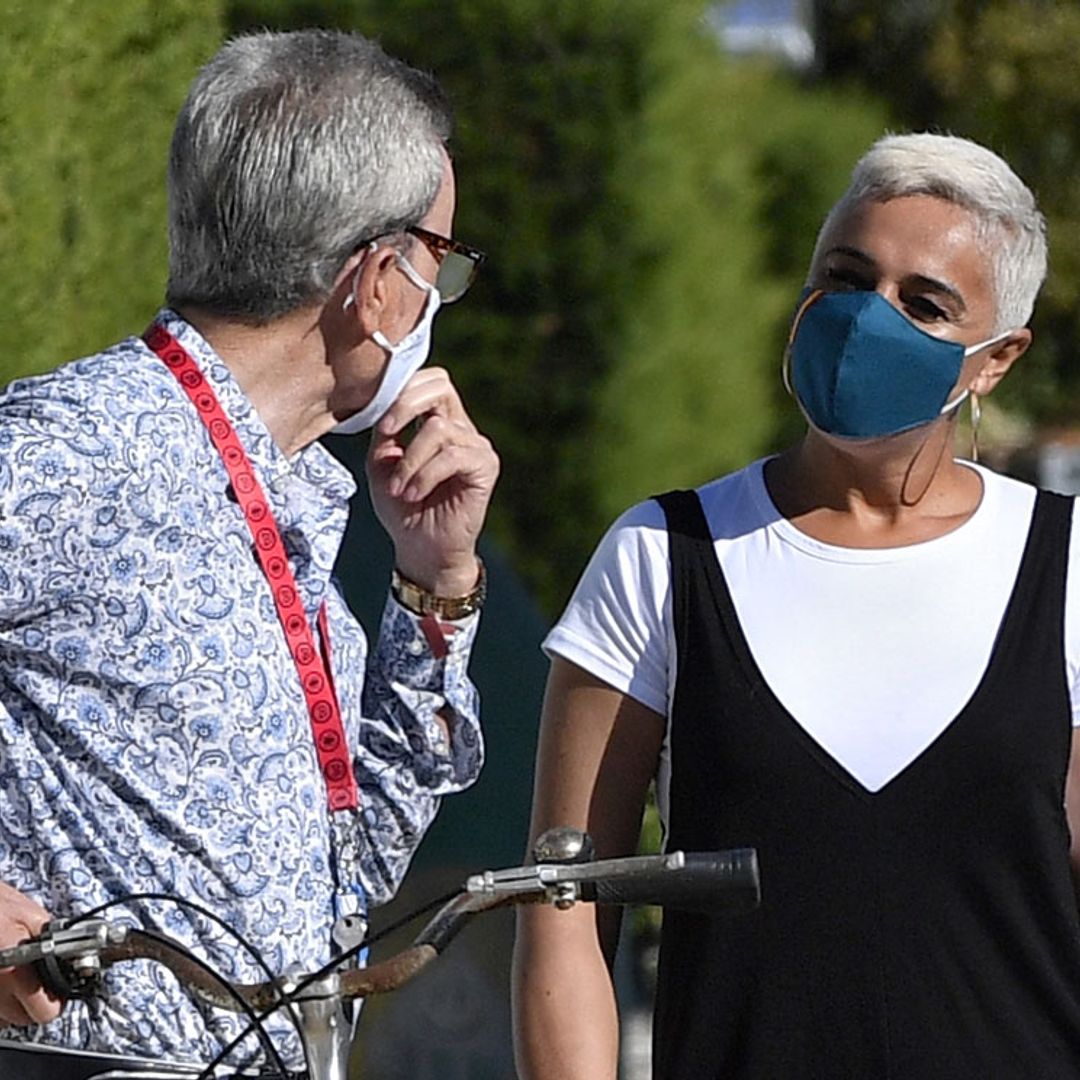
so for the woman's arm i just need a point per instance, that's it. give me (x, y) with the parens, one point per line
(598, 751)
(1072, 808)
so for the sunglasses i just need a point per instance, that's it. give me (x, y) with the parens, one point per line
(458, 263)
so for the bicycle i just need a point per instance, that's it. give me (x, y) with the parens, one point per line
(70, 954)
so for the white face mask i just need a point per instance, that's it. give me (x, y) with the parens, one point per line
(407, 357)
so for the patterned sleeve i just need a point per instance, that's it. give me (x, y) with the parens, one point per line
(405, 763)
(44, 519)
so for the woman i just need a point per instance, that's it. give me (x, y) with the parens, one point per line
(861, 657)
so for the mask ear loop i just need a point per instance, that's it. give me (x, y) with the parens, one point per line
(785, 364)
(976, 404)
(350, 300)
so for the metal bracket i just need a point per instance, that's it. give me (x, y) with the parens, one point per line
(560, 883)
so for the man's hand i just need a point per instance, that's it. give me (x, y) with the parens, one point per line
(23, 1000)
(431, 491)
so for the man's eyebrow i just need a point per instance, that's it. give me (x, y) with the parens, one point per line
(923, 280)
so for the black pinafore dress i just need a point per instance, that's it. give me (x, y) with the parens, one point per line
(928, 931)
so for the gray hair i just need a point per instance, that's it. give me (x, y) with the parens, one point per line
(290, 150)
(1008, 224)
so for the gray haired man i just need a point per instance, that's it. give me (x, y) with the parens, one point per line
(187, 706)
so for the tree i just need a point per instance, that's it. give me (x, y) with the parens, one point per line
(734, 170)
(1006, 73)
(1003, 73)
(87, 102)
(625, 180)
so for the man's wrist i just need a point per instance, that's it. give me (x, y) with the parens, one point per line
(421, 600)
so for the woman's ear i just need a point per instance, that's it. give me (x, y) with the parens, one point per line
(1002, 357)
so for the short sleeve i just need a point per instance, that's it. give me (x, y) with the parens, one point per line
(1072, 616)
(616, 625)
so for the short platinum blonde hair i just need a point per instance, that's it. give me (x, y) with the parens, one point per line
(1008, 223)
(290, 150)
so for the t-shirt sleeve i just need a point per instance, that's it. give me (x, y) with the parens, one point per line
(616, 624)
(1072, 615)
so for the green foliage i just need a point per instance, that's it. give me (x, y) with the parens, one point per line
(1002, 72)
(882, 46)
(627, 183)
(86, 107)
(731, 173)
(1006, 74)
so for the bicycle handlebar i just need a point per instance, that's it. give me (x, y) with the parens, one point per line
(724, 881)
(713, 883)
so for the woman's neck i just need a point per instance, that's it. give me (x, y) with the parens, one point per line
(889, 492)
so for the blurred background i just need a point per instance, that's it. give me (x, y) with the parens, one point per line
(648, 177)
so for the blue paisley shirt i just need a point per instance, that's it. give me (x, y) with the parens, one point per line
(153, 734)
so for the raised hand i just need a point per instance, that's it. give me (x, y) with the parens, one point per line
(431, 475)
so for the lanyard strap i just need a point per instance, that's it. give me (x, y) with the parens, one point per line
(313, 668)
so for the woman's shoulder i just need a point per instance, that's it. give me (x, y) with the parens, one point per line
(731, 500)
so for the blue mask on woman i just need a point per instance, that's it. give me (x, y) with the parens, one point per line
(860, 369)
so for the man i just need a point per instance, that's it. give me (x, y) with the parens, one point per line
(860, 656)
(186, 705)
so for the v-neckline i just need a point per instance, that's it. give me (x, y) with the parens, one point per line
(951, 731)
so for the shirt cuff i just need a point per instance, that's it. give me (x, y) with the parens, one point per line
(426, 669)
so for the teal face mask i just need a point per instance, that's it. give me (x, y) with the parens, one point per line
(861, 370)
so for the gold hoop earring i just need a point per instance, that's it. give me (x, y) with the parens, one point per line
(976, 417)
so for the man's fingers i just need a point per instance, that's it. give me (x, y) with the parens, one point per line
(12, 1012)
(441, 450)
(39, 1004)
(384, 448)
(429, 392)
(454, 461)
(24, 1000)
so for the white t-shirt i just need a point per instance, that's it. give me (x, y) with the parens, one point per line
(873, 651)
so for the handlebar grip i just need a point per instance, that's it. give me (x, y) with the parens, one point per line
(707, 883)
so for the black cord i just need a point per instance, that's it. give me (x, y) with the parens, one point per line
(286, 1000)
(385, 932)
(289, 998)
(255, 1025)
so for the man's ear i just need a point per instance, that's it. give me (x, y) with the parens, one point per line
(363, 285)
(1002, 357)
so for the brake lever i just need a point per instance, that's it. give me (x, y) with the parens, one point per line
(67, 954)
(561, 883)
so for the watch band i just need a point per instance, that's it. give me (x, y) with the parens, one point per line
(420, 601)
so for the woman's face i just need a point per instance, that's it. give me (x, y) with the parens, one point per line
(921, 254)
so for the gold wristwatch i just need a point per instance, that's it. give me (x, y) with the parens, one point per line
(420, 601)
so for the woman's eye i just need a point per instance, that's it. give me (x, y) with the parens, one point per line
(924, 309)
(842, 278)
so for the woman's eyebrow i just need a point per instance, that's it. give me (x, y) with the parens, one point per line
(934, 285)
(854, 253)
(924, 281)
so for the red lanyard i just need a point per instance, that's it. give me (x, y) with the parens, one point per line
(313, 668)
